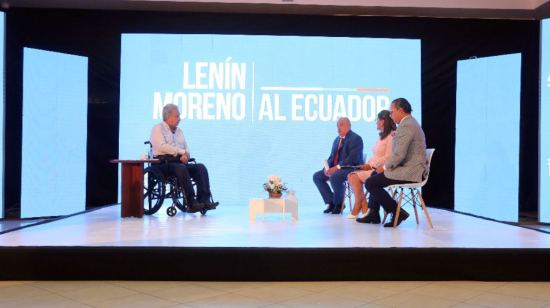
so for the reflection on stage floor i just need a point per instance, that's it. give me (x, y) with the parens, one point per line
(230, 226)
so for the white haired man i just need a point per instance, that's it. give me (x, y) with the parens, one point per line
(170, 146)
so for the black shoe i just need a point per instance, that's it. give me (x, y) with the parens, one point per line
(371, 218)
(195, 207)
(211, 206)
(338, 209)
(329, 209)
(403, 215)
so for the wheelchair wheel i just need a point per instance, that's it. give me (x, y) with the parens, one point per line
(177, 194)
(153, 190)
(171, 211)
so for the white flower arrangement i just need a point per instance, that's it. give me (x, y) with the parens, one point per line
(274, 184)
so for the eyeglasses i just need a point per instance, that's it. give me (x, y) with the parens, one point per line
(391, 111)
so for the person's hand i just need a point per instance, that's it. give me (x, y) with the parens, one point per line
(184, 159)
(332, 170)
(366, 167)
(380, 169)
(326, 172)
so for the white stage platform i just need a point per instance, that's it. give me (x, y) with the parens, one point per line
(229, 226)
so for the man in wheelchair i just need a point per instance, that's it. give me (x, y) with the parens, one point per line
(169, 145)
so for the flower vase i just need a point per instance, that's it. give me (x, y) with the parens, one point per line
(274, 195)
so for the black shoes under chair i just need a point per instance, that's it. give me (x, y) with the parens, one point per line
(371, 218)
(403, 215)
(374, 218)
(338, 209)
(331, 208)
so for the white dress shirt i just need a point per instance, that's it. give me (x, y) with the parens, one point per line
(165, 142)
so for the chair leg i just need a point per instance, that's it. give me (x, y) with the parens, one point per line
(398, 209)
(343, 206)
(414, 206)
(392, 193)
(393, 197)
(349, 193)
(425, 210)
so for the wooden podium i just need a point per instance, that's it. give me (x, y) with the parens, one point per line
(132, 186)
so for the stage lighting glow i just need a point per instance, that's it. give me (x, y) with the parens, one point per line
(544, 172)
(55, 115)
(487, 137)
(252, 106)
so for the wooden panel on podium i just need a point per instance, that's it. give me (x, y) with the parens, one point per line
(132, 186)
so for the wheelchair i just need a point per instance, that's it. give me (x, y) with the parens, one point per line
(157, 187)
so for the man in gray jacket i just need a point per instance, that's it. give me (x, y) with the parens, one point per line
(406, 165)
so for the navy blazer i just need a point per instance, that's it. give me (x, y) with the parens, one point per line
(351, 152)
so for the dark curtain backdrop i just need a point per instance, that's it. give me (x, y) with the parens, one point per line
(96, 35)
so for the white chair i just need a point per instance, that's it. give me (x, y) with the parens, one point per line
(413, 187)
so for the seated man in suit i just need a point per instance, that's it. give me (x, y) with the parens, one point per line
(347, 150)
(406, 165)
(170, 146)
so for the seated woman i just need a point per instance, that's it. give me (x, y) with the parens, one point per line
(381, 151)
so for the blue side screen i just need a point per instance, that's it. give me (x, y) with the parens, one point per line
(487, 137)
(55, 108)
(544, 188)
(2, 40)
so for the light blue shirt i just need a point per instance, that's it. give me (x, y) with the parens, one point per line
(165, 142)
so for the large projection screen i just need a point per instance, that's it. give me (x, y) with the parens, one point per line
(544, 184)
(253, 106)
(55, 113)
(487, 137)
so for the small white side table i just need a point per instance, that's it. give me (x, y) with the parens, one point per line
(283, 205)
